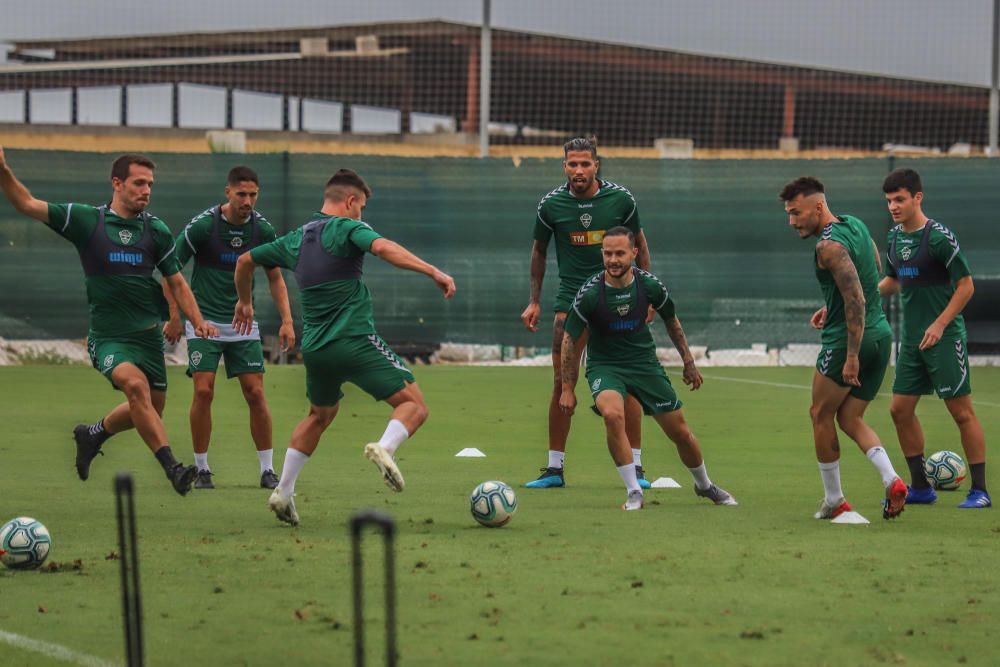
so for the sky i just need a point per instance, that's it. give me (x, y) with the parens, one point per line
(936, 40)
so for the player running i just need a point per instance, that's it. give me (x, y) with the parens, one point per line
(119, 245)
(621, 362)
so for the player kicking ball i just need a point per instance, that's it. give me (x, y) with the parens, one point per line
(621, 361)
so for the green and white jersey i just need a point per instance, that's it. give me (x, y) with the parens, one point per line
(927, 262)
(120, 304)
(212, 281)
(578, 226)
(851, 233)
(335, 302)
(616, 319)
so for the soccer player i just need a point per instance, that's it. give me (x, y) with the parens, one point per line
(856, 342)
(120, 244)
(928, 267)
(339, 341)
(216, 238)
(621, 362)
(577, 214)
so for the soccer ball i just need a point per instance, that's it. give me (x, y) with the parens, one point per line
(493, 503)
(24, 543)
(945, 470)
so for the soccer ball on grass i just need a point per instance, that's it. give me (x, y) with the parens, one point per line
(493, 503)
(945, 470)
(24, 543)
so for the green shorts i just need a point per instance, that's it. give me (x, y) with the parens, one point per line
(651, 387)
(943, 368)
(366, 361)
(873, 359)
(143, 349)
(241, 356)
(565, 296)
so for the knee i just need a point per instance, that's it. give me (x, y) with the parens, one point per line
(963, 416)
(847, 423)
(136, 390)
(323, 418)
(420, 413)
(254, 397)
(204, 393)
(614, 418)
(899, 413)
(817, 415)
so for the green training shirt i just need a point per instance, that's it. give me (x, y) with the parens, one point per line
(213, 288)
(633, 349)
(923, 303)
(851, 233)
(335, 309)
(578, 226)
(119, 305)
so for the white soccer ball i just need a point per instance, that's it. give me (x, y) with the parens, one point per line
(945, 470)
(493, 503)
(24, 543)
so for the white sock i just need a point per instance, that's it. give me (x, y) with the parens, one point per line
(627, 473)
(394, 436)
(830, 472)
(637, 456)
(556, 459)
(201, 460)
(881, 461)
(294, 460)
(266, 458)
(700, 476)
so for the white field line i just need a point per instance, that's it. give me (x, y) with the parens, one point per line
(53, 650)
(784, 385)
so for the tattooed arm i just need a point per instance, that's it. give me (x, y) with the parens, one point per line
(642, 260)
(692, 376)
(834, 257)
(570, 373)
(531, 314)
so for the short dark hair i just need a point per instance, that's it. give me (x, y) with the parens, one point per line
(621, 231)
(902, 179)
(120, 168)
(343, 180)
(803, 185)
(242, 173)
(581, 144)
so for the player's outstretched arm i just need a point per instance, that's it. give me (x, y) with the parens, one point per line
(276, 282)
(185, 300)
(569, 373)
(18, 195)
(534, 310)
(400, 257)
(691, 374)
(834, 257)
(174, 327)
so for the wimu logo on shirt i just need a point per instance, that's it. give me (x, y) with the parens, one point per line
(229, 257)
(122, 257)
(908, 271)
(624, 325)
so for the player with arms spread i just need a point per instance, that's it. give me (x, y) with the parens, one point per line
(577, 214)
(119, 245)
(927, 265)
(856, 342)
(339, 341)
(621, 362)
(216, 238)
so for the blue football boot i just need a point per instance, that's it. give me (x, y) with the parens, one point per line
(549, 479)
(920, 496)
(977, 499)
(640, 475)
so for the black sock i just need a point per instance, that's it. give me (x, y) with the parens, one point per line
(166, 458)
(98, 432)
(917, 474)
(978, 474)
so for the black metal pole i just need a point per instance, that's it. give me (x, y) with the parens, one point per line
(128, 549)
(388, 527)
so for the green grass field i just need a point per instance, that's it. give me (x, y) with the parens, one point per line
(572, 580)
